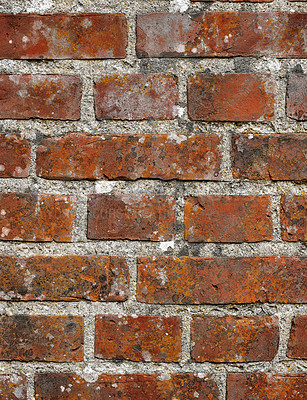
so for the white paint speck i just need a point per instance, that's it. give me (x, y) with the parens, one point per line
(177, 138)
(3, 212)
(164, 377)
(89, 375)
(196, 394)
(25, 39)
(10, 41)
(180, 48)
(179, 5)
(194, 50)
(146, 355)
(251, 136)
(164, 246)
(62, 388)
(5, 231)
(2, 167)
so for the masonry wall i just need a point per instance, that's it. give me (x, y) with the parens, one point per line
(153, 209)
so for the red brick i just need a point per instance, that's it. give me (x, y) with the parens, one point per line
(231, 97)
(293, 218)
(296, 99)
(15, 156)
(245, 1)
(142, 338)
(221, 34)
(136, 97)
(297, 346)
(41, 338)
(233, 219)
(36, 217)
(159, 156)
(49, 386)
(67, 278)
(268, 386)
(234, 339)
(63, 36)
(131, 216)
(270, 157)
(40, 96)
(221, 280)
(13, 387)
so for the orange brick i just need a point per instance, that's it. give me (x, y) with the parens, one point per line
(297, 346)
(293, 218)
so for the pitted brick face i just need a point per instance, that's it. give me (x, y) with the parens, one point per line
(15, 156)
(293, 218)
(13, 387)
(296, 99)
(297, 345)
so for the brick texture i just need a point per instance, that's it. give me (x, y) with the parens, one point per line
(296, 99)
(36, 218)
(41, 338)
(159, 156)
(67, 278)
(221, 280)
(15, 156)
(234, 339)
(231, 219)
(141, 338)
(297, 346)
(293, 218)
(40, 96)
(13, 387)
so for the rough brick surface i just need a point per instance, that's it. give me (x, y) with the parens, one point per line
(266, 386)
(142, 338)
(221, 34)
(231, 97)
(158, 156)
(234, 339)
(40, 218)
(131, 216)
(126, 387)
(270, 157)
(232, 219)
(41, 338)
(13, 387)
(221, 280)
(40, 96)
(293, 218)
(15, 156)
(67, 278)
(297, 346)
(63, 36)
(296, 99)
(136, 97)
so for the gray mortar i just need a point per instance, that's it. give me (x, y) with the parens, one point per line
(183, 68)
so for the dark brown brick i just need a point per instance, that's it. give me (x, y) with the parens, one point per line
(231, 97)
(233, 219)
(15, 156)
(141, 338)
(131, 216)
(126, 387)
(234, 339)
(136, 97)
(297, 346)
(63, 36)
(270, 157)
(36, 218)
(293, 218)
(158, 156)
(222, 34)
(67, 278)
(221, 280)
(266, 386)
(41, 338)
(13, 387)
(40, 96)
(296, 100)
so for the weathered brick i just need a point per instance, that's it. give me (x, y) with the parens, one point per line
(136, 97)
(293, 218)
(41, 338)
(231, 97)
(159, 156)
(221, 280)
(49, 386)
(297, 346)
(268, 386)
(242, 1)
(15, 156)
(234, 339)
(270, 157)
(222, 34)
(40, 96)
(63, 36)
(232, 219)
(36, 217)
(13, 387)
(67, 278)
(296, 99)
(142, 338)
(131, 216)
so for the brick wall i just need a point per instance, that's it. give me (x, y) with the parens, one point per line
(153, 200)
